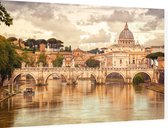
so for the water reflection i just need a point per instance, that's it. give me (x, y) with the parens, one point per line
(58, 103)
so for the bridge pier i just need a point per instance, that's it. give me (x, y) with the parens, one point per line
(155, 78)
(71, 81)
(128, 80)
(100, 80)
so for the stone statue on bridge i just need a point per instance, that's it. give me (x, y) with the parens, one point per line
(73, 63)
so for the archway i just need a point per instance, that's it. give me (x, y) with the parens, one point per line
(93, 79)
(141, 77)
(23, 80)
(114, 78)
(24, 77)
(56, 77)
(86, 84)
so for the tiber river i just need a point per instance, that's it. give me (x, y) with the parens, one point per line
(58, 103)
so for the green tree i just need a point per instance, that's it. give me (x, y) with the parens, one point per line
(58, 61)
(42, 58)
(9, 60)
(54, 43)
(66, 49)
(155, 55)
(28, 59)
(5, 16)
(70, 49)
(92, 63)
(138, 79)
(11, 39)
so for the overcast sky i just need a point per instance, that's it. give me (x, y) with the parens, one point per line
(83, 26)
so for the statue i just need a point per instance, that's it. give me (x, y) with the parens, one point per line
(23, 64)
(63, 63)
(73, 63)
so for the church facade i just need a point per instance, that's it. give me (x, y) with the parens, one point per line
(126, 53)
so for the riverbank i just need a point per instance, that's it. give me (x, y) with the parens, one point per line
(156, 87)
(5, 98)
(4, 94)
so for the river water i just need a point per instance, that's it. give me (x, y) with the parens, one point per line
(58, 103)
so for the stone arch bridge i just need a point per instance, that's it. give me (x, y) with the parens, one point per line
(71, 75)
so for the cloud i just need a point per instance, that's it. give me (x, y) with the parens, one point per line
(158, 13)
(157, 41)
(45, 17)
(71, 22)
(100, 37)
(61, 27)
(154, 19)
(152, 25)
(38, 10)
(116, 16)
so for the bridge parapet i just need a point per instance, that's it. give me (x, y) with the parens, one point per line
(77, 68)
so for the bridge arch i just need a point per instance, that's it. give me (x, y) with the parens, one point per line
(144, 73)
(117, 74)
(93, 78)
(14, 78)
(58, 75)
(90, 76)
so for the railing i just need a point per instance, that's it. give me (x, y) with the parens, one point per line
(80, 69)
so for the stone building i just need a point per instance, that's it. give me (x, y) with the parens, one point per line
(126, 53)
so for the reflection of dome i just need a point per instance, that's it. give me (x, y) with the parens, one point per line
(126, 33)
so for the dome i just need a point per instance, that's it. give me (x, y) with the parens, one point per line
(126, 33)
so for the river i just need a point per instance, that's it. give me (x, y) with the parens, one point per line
(58, 103)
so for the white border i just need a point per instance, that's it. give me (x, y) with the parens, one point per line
(160, 4)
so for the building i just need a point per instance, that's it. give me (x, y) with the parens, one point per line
(160, 62)
(80, 57)
(126, 53)
(42, 47)
(157, 49)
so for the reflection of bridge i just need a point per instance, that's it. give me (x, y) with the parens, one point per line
(71, 75)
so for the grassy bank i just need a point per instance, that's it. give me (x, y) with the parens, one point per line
(5, 98)
(156, 87)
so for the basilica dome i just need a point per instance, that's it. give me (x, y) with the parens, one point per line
(126, 34)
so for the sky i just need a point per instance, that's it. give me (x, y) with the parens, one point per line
(83, 26)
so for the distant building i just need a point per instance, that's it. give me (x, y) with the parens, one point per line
(126, 53)
(160, 62)
(80, 57)
(67, 58)
(157, 49)
(42, 47)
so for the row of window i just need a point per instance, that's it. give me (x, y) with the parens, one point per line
(121, 62)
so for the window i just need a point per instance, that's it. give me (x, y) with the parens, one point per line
(120, 61)
(133, 61)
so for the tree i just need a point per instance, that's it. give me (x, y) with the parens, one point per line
(138, 79)
(92, 63)
(5, 16)
(9, 60)
(30, 42)
(95, 51)
(40, 41)
(11, 39)
(58, 61)
(28, 59)
(154, 56)
(56, 44)
(68, 49)
(42, 58)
